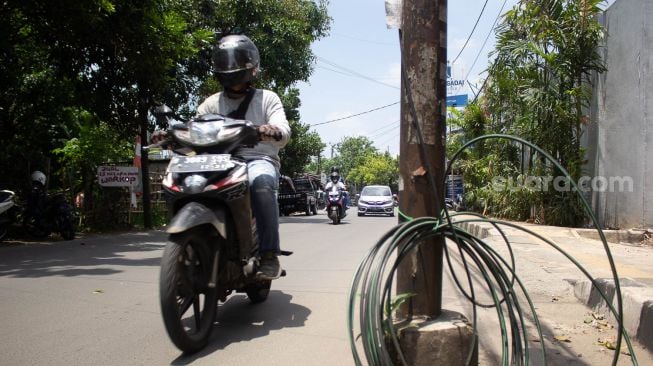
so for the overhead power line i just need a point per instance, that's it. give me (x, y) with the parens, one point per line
(379, 131)
(333, 70)
(486, 38)
(355, 73)
(354, 115)
(479, 52)
(470, 34)
(384, 133)
(392, 138)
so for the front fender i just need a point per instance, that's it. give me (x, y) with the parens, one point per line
(195, 214)
(333, 211)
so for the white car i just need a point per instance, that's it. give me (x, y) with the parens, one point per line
(376, 200)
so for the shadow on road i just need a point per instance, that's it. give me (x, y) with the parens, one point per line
(86, 256)
(555, 353)
(238, 320)
(308, 219)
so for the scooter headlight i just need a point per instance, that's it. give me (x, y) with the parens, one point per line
(194, 183)
(207, 133)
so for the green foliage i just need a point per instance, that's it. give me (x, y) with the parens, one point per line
(80, 157)
(350, 152)
(73, 71)
(360, 163)
(283, 31)
(538, 88)
(375, 168)
(96, 144)
(303, 146)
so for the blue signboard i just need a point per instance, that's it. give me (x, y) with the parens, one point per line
(454, 186)
(457, 100)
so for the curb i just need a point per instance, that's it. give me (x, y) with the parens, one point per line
(478, 231)
(632, 236)
(637, 297)
(637, 304)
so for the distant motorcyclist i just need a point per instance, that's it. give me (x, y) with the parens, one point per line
(37, 198)
(336, 180)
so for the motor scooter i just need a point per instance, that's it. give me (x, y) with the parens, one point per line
(45, 214)
(8, 211)
(212, 247)
(335, 204)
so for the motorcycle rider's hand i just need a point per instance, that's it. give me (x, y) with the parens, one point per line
(159, 136)
(269, 133)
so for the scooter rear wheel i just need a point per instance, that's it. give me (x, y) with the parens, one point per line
(66, 226)
(188, 304)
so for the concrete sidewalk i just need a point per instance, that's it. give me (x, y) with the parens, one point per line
(634, 263)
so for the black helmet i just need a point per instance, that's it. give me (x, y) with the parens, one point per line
(235, 58)
(335, 177)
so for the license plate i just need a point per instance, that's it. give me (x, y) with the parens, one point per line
(200, 163)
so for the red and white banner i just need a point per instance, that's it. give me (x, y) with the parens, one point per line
(137, 152)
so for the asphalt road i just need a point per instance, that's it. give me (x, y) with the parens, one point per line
(94, 301)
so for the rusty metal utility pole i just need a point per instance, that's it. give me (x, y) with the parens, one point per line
(435, 335)
(422, 162)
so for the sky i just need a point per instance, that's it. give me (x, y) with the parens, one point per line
(358, 68)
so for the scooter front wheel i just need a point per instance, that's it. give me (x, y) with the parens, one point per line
(335, 215)
(188, 304)
(258, 292)
(34, 230)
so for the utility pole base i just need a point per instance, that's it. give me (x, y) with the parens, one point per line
(446, 340)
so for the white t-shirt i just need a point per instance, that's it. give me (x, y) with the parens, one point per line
(340, 185)
(265, 108)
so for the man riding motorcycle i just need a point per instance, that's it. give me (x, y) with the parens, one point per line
(236, 63)
(336, 180)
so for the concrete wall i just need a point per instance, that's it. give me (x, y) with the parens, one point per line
(619, 140)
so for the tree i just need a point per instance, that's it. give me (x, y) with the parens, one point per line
(375, 168)
(351, 152)
(113, 59)
(297, 154)
(539, 88)
(53, 64)
(81, 156)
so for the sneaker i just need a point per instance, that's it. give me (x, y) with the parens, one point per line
(269, 268)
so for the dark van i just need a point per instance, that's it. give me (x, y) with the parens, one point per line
(297, 195)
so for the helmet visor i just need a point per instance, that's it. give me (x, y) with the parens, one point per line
(229, 79)
(232, 59)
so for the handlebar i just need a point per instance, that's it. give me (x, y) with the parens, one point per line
(169, 140)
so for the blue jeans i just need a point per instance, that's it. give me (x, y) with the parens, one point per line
(263, 187)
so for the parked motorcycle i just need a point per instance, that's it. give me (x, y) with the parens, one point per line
(212, 248)
(8, 211)
(46, 214)
(335, 204)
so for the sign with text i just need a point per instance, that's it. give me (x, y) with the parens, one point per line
(457, 100)
(117, 176)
